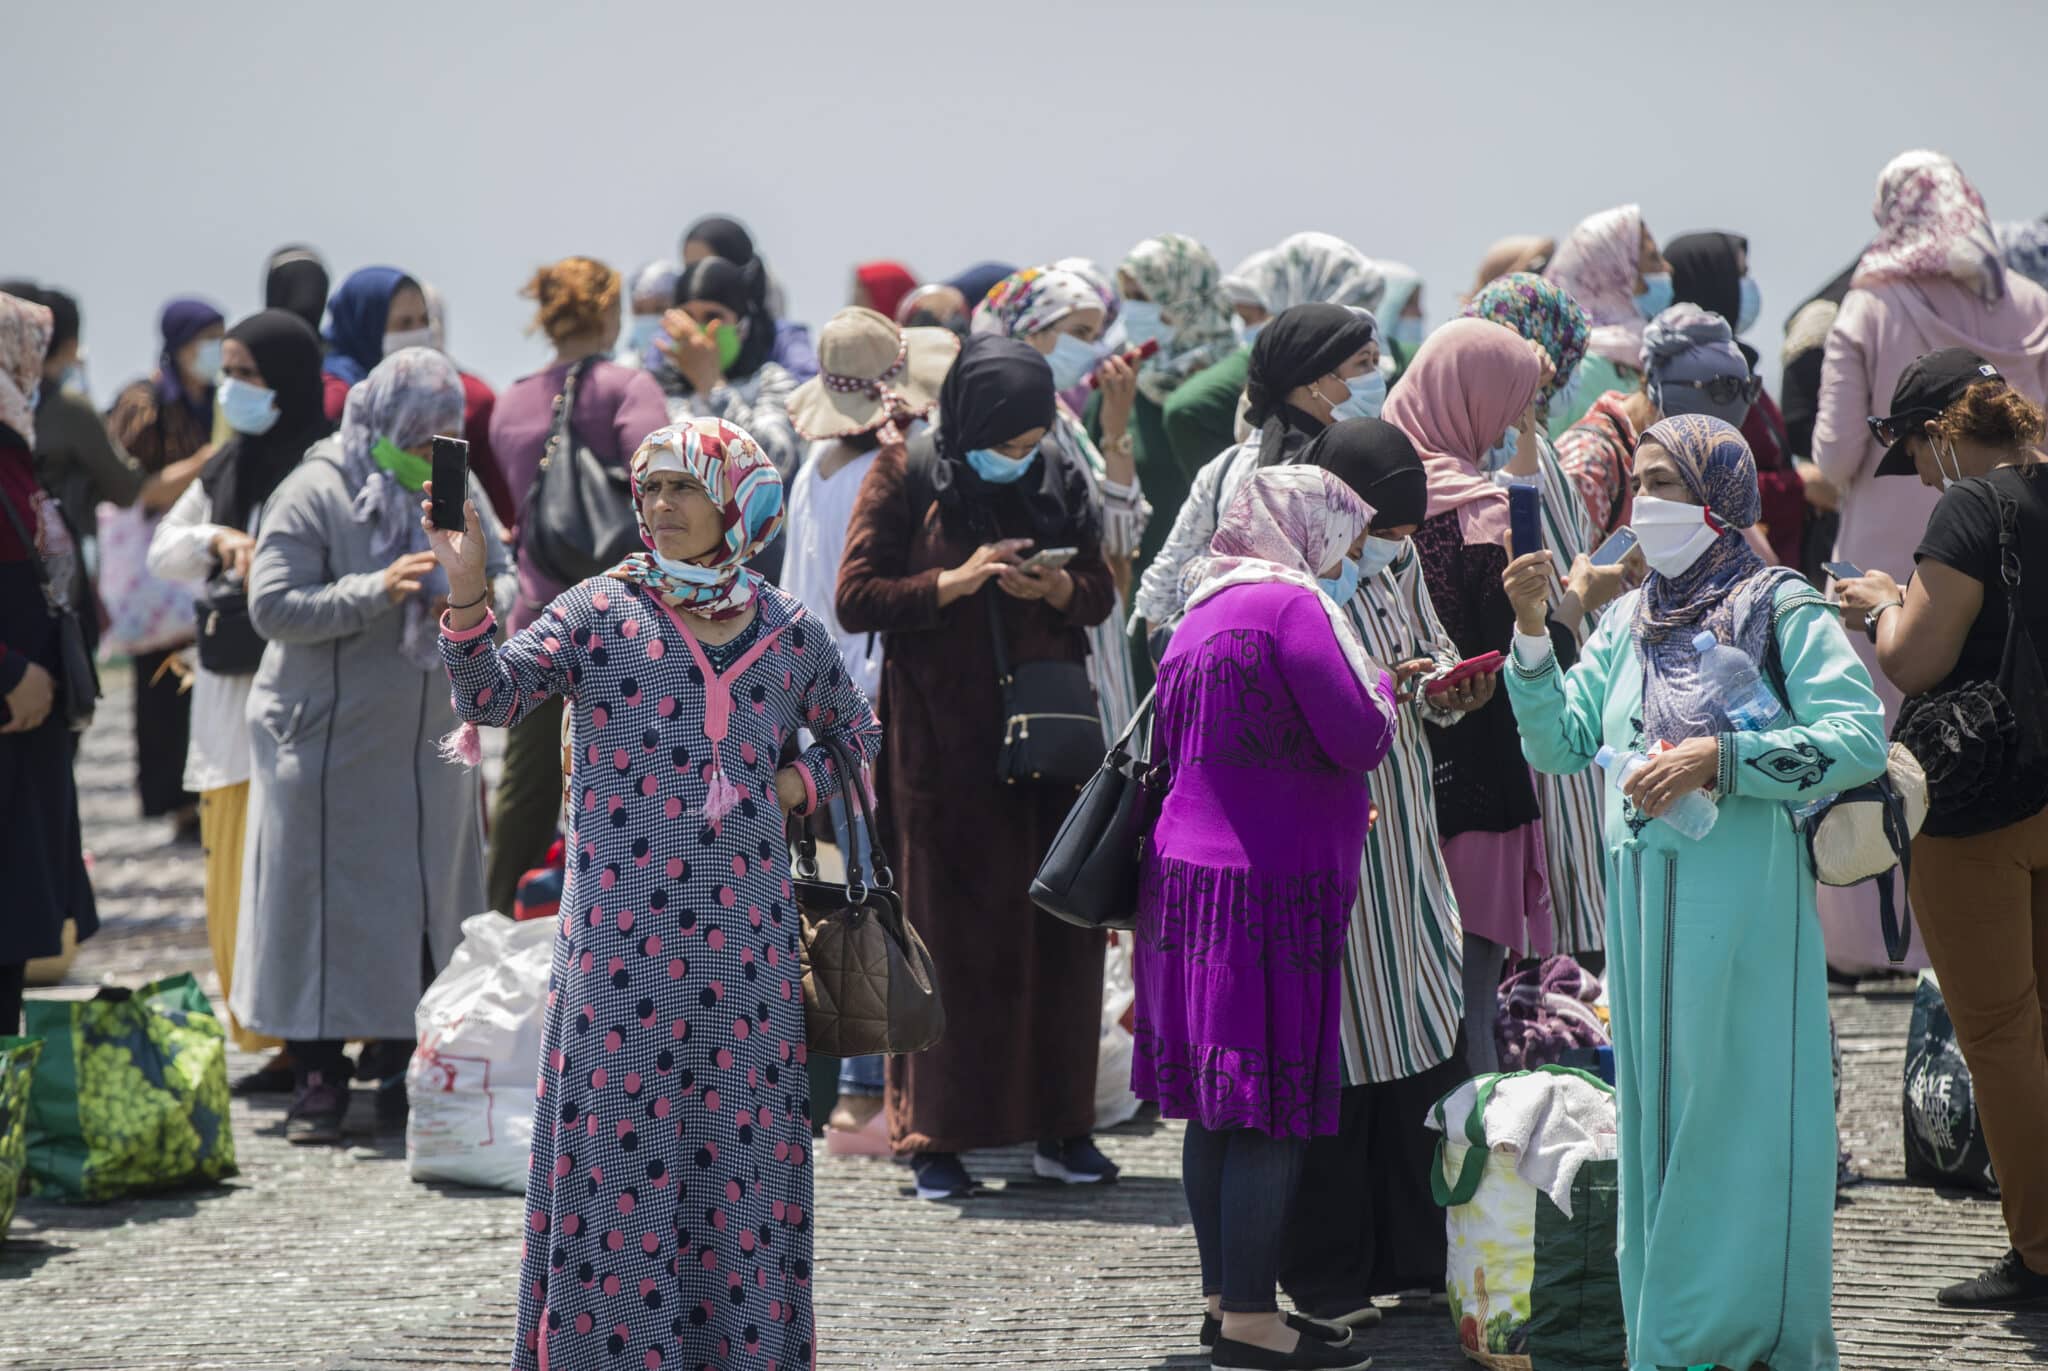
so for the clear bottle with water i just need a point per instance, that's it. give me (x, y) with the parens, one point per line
(1738, 691)
(1693, 815)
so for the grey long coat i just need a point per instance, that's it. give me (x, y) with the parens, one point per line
(365, 848)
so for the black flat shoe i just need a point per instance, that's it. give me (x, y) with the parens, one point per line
(2010, 1284)
(275, 1077)
(1307, 1355)
(1319, 1330)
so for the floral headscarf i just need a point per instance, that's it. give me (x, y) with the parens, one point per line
(1321, 268)
(747, 489)
(409, 397)
(1035, 298)
(1727, 591)
(1469, 383)
(2025, 245)
(1250, 282)
(1597, 266)
(1543, 314)
(1105, 286)
(25, 329)
(1291, 524)
(1931, 222)
(1180, 276)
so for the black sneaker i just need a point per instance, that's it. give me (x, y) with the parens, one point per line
(2011, 1284)
(1329, 1334)
(1308, 1355)
(1076, 1161)
(275, 1077)
(317, 1113)
(941, 1176)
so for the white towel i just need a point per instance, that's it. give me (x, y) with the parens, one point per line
(1550, 1122)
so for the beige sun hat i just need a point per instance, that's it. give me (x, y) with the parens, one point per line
(867, 368)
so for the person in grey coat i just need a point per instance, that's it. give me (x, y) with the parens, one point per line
(367, 846)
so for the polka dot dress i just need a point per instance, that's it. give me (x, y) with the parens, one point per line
(668, 1219)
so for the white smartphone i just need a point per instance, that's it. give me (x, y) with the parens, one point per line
(1048, 559)
(1615, 548)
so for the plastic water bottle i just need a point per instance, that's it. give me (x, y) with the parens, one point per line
(1732, 681)
(1695, 813)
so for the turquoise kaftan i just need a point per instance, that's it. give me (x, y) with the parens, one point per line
(1719, 992)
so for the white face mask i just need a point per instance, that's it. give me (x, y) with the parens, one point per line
(1672, 535)
(1934, 446)
(411, 338)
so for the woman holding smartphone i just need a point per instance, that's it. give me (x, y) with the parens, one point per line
(668, 1210)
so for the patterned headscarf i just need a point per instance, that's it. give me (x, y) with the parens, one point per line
(1035, 298)
(1597, 266)
(1290, 524)
(1727, 591)
(409, 397)
(1469, 383)
(25, 329)
(1403, 283)
(742, 482)
(1105, 285)
(1543, 314)
(1180, 276)
(2025, 245)
(1931, 222)
(1321, 268)
(1250, 282)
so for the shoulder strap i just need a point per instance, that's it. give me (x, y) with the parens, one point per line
(919, 456)
(995, 629)
(35, 556)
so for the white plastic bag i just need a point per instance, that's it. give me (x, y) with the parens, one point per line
(474, 1072)
(1114, 1101)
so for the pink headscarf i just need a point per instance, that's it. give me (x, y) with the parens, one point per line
(1597, 267)
(1469, 383)
(24, 337)
(1931, 222)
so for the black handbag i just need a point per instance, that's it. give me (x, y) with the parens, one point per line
(870, 986)
(1090, 874)
(1052, 727)
(228, 642)
(578, 519)
(78, 680)
(1984, 744)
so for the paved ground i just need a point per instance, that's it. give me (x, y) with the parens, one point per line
(333, 1260)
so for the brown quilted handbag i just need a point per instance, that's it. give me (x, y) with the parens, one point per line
(869, 984)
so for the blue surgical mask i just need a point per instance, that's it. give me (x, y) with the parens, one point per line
(1142, 324)
(1368, 396)
(206, 361)
(1502, 452)
(1407, 331)
(1655, 296)
(646, 328)
(997, 469)
(1071, 361)
(1752, 305)
(689, 573)
(248, 408)
(1250, 333)
(1344, 584)
(1378, 554)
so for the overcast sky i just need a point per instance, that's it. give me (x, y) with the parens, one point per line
(166, 149)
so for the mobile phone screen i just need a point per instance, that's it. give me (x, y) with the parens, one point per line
(451, 482)
(1617, 546)
(1842, 571)
(1525, 518)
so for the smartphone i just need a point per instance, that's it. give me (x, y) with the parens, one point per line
(1842, 571)
(1048, 559)
(1149, 348)
(1619, 545)
(1485, 664)
(1525, 517)
(451, 482)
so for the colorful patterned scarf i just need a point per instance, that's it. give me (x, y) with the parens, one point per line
(1931, 222)
(25, 329)
(747, 489)
(1180, 276)
(1028, 301)
(1598, 266)
(1543, 314)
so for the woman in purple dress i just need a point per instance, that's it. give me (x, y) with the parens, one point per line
(1269, 715)
(668, 1208)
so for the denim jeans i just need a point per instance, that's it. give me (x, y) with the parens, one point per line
(1240, 1186)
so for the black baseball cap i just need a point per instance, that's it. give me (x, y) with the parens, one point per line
(1929, 384)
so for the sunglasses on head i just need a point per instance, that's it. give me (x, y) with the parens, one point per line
(1724, 390)
(1890, 428)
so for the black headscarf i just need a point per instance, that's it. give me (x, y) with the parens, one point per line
(1378, 462)
(726, 238)
(248, 467)
(739, 289)
(999, 388)
(1299, 345)
(1706, 270)
(296, 280)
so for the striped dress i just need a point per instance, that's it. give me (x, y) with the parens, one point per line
(1125, 514)
(1402, 963)
(1571, 807)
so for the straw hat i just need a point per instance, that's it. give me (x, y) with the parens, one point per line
(868, 367)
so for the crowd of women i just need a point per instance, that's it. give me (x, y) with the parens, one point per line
(1267, 514)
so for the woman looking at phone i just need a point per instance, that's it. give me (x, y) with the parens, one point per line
(1715, 962)
(934, 546)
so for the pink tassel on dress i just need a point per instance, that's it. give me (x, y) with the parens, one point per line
(464, 746)
(722, 797)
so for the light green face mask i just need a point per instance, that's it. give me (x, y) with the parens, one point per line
(727, 336)
(409, 471)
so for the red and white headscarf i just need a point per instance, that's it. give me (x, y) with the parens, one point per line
(1931, 222)
(747, 489)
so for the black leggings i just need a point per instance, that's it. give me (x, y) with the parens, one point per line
(13, 980)
(1240, 1185)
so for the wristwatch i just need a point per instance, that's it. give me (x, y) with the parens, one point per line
(1121, 446)
(1876, 613)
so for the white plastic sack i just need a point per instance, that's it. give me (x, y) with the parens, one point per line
(1114, 1101)
(474, 1072)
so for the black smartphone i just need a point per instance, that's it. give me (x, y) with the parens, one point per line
(451, 482)
(1842, 571)
(1525, 517)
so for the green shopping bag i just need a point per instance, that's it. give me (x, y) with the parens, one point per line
(131, 1093)
(17, 1067)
